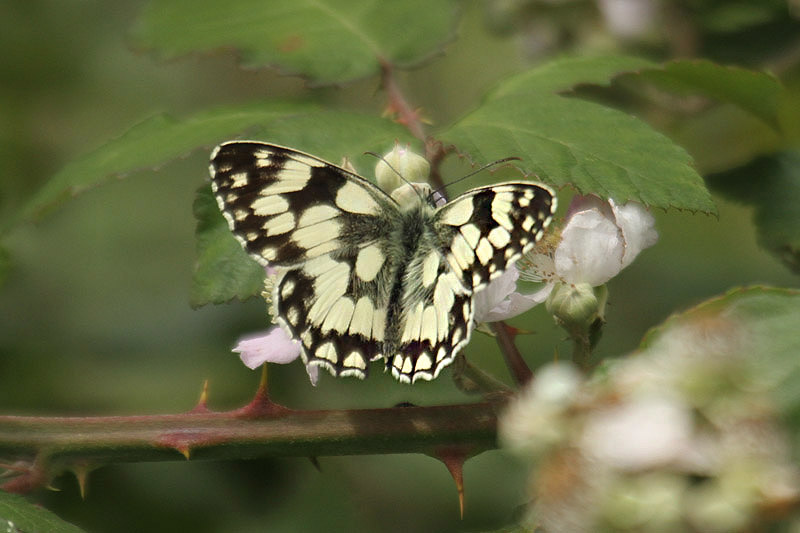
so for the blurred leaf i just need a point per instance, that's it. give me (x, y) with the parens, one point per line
(328, 41)
(772, 186)
(152, 143)
(18, 515)
(5, 265)
(756, 92)
(564, 74)
(730, 16)
(223, 270)
(566, 141)
(767, 319)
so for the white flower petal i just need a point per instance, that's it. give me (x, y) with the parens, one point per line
(638, 229)
(590, 250)
(501, 301)
(487, 301)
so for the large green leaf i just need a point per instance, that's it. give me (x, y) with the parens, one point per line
(567, 141)
(328, 41)
(223, 270)
(757, 325)
(155, 142)
(18, 515)
(771, 185)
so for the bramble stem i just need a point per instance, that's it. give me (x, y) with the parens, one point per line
(50, 445)
(516, 364)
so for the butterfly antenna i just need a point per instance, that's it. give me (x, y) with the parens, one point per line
(396, 172)
(484, 167)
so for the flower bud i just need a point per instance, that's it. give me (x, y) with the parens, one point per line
(574, 305)
(408, 195)
(400, 162)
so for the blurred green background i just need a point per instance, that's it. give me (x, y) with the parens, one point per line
(94, 312)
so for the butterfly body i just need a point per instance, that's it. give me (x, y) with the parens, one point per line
(362, 277)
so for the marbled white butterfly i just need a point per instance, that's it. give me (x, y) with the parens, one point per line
(360, 276)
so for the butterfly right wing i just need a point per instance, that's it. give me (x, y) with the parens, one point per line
(485, 230)
(477, 236)
(327, 229)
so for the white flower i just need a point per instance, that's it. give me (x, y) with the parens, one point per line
(597, 242)
(271, 346)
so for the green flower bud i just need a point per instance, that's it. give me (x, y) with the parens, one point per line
(413, 167)
(574, 306)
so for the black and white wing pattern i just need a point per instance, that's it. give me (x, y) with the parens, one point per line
(361, 277)
(473, 240)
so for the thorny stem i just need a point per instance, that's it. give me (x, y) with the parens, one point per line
(516, 364)
(39, 448)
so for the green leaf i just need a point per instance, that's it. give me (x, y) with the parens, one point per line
(223, 270)
(765, 321)
(772, 186)
(152, 143)
(567, 141)
(18, 515)
(756, 92)
(329, 41)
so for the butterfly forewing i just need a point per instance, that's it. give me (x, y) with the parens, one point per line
(286, 207)
(485, 230)
(359, 278)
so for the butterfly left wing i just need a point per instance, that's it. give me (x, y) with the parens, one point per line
(477, 237)
(330, 232)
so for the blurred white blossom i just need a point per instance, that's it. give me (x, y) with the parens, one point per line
(681, 437)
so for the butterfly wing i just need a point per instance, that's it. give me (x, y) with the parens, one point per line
(286, 207)
(327, 229)
(476, 237)
(485, 230)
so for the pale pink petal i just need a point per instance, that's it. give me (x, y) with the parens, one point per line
(585, 202)
(272, 346)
